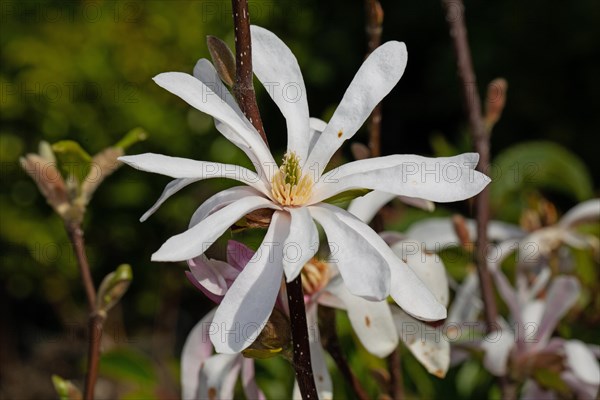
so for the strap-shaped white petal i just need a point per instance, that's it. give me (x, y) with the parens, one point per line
(203, 98)
(249, 302)
(374, 80)
(220, 200)
(442, 179)
(172, 187)
(177, 167)
(276, 67)
(200, 237)
(301, 244)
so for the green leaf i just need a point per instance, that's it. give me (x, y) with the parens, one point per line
(128, 365)
(551, 380)
(65, 389)
(532, 166)
(73, 160)
(344, 198)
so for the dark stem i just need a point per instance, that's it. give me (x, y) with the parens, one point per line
(374, 27)
(300, 340)
(456, 22)
(331, 341)
(96, 320)
(396, 381)
(243, 89)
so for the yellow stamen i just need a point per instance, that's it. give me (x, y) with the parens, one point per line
(289, 186)
(315, 276)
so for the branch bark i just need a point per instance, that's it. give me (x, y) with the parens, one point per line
(243, 89)
(374, 28)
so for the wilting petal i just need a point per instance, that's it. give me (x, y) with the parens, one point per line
(582, 362)
(427, 344)
(428, 267)
(251, 389)
(365, 207)
(562, 295)
(497, 346)
(363, 268)
(374, 80)
(301, 244)
(201, 97)
(371, 320)
(196, 349)
(583, 212)
(443, 179)
(220, 200)
(218, 376)
(177, 167)
(249, 302)
(277, 68)
(197, 239)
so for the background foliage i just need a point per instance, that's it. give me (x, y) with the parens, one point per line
(82, 70)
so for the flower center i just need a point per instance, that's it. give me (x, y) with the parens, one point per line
(315, 276)
(289, 186)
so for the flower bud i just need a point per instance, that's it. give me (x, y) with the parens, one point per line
(223, 59)
(113, 287)
(274, 339)
(495, 101)
(65, 389)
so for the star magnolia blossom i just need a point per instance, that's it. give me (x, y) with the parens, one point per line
(296, 191)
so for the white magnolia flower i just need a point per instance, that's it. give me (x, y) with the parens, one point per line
(298, 188)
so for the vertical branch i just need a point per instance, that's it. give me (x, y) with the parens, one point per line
(243, 89)
(396, 381)
(300, 340)
(244, 93)
(374, 28)
(456, 22)
(96, 319)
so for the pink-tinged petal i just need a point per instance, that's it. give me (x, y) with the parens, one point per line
(374, 80)
(562, 295)
(238, 254)
(428, 267)
(206, 73)
(301, 244)
(211, 296)
(172, 187)
(365, 207)
(371, 320)
(277, 68)
(215, 275)
(583, 212)
(251, 389)
(364, 270)
(220, 200)
(443, 179)
(497, 347)
(249, 301)
(177, 167)
(196, 350)
(201, 97)
(218, 377)
(511, 299)
(582, 362)
(427, 344)
(197, 239)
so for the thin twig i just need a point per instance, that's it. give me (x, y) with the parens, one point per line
(300, 340)
(455, 16)
(456, 22)
(374, 28)
(96, 319)
(396, 380)
(331, 342)
(243, 89)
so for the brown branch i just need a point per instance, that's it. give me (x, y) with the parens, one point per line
(243, 89)
(331, 342)
(396, 380)
(96, 320)
(456, 22)
(374, 28)
(300, 340)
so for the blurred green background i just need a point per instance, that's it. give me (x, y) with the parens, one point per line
(82, 70)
